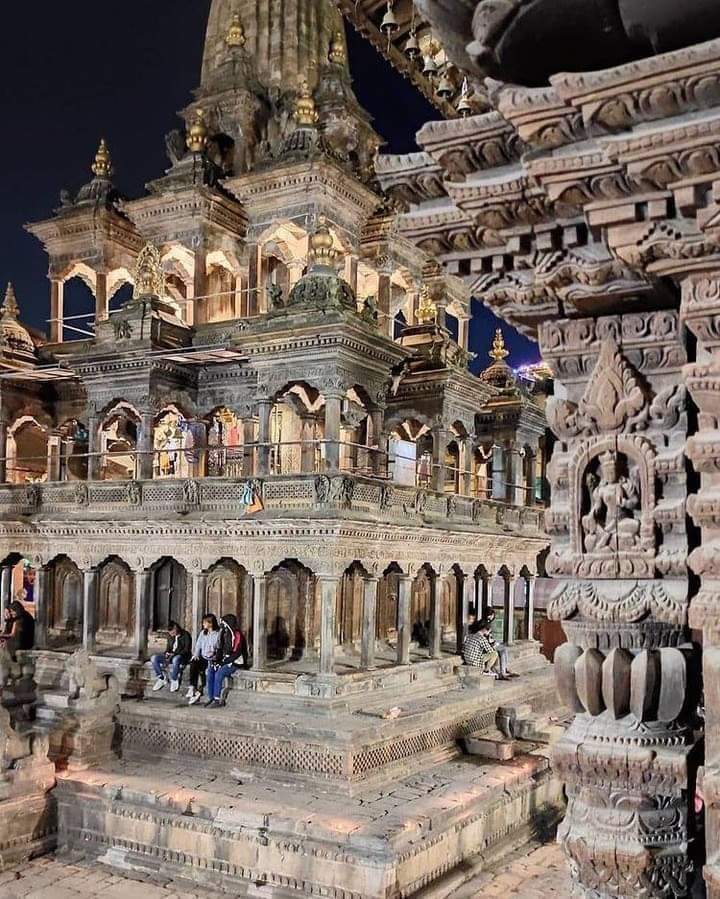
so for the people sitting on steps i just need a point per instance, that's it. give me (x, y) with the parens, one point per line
(481, 649)
(500, 648)
(230, 656)
(19, 628)
(178, 653)
(205, 648)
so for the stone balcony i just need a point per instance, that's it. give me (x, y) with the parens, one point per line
(362, 498)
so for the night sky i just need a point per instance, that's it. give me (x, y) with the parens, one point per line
(75, 71)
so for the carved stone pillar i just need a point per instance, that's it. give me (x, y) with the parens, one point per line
(93, 467)
(466, 600)
(248, 427)
(90, 597)
(263, 449)
(466, 463)
(54, 457)
(378, 460)
(328, 605)
(145, 460)
(435, 617)
(57, 310)
(367, 651)
(619, 549)
(199, 592)
(101, 297)
(259, 656)
(700, 312)
(333, 413)
(5, 589)
(440, 441)
(3, 450)
(307, 445)
(404, 624)
(143, 599)
(41, 596)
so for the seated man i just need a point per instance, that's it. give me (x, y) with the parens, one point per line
(478, 652)
(177, 654)
(500, 648)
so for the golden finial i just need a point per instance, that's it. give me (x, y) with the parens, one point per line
(305, 112)
(321, 252)
(236, 33)
(427, 310)
(149, 274)
(499, 351)
(337, 49)
(197, 135)
(102, 166)
(10, 308)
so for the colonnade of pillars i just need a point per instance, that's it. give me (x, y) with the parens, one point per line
(505, 594)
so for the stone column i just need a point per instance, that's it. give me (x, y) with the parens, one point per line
(93, 468)
(259, 657)
(510, 588)
(367, 651)
(435, 617)
(143, 581)
(5, 589)
(41, 596)
(3, 450)
(199, 593)
(54, 460)
(466, 474)
(498, 488)
(333, 413)
(200, 288)
(253, 280)
(307, 447)
(90, 599)
(467, 589)
(57, 310)
(530, 614)
(262, 468)
(440, 442)
(383, 303)
(328, 607)
(144, 466)
(101, 297)
(248, 429)
(700, 311)
(619, 550)
(378, 460)
(404, 625)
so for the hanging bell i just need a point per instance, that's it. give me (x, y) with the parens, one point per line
(412, 47)
(389, 24)
(464, 107)
(445, 88)
(430, 67)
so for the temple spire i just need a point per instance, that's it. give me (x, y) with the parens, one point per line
(102, 164)
(10, 308)
(499, 351)
(235, 38)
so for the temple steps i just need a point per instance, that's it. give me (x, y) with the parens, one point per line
(182, 821)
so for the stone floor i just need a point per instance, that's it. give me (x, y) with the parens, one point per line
(537, 872)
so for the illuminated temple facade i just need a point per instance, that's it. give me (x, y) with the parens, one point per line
(269, 413)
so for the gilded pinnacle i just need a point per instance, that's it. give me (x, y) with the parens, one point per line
(322, 252)
(337, 50)
(305, 112)
(197, 135)
(427, 310)
(499, 350)
(102, 166)
(235, 37)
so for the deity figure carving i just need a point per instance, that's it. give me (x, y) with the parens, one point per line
(611, 526)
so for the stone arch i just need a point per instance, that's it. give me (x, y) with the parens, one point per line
(169, 595)
(349, 612)
(230, 590)
(65, 606)
(483, 592)
(118, 437)
(27, 450)
(116, 602)
(387, 602)
(292, 618)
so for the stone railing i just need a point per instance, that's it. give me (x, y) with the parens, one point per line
(341, 495)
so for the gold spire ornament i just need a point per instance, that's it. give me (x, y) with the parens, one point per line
(10, 308)
(427, 310)
(197, 136)
(149, 274)
(305, 113)
(337, 54)
(102, 166)
(499, 351)
(235, 38)
(321, 252)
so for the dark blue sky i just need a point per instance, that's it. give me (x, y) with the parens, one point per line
(72, 72)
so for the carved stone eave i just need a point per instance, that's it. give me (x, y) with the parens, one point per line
(462, 146)
(410, 179)
(175, 215)
(541, 117)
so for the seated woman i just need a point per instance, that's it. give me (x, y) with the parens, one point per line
(19, 628)
(205, 649)
(229, 658)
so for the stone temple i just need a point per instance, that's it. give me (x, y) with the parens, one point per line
(270, 413)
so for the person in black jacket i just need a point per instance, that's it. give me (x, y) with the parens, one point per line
(178, 653)
(19, 628)
(229, 658)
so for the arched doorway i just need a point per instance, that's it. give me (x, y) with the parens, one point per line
(230, 591)
(387, 603)
(169, 595)
(421, 605)
(27, 452)
(66, 601)
(291, 620)
(349, 613)
(118, 444)
(116, 603)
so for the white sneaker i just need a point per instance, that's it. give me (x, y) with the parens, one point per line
(159, 684)
(190, 692)
(174, 686)
(195, 698)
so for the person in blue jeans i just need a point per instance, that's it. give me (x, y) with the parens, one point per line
(177, 654)
(229, 658)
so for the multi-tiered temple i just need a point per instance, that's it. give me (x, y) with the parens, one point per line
(270, 413)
